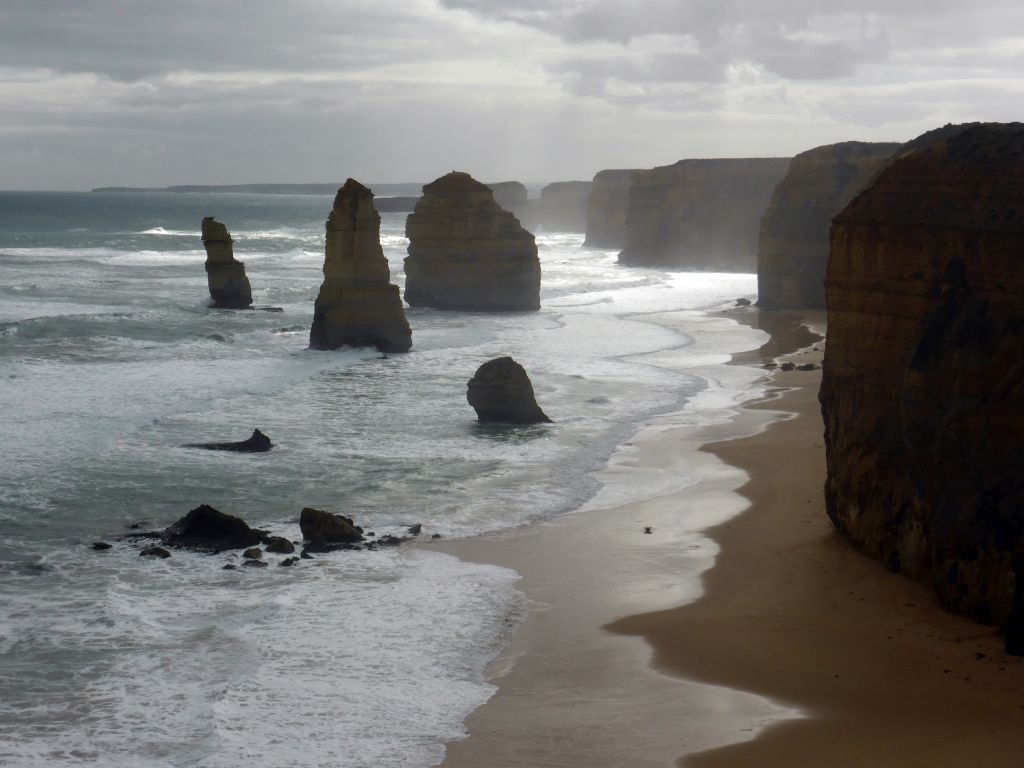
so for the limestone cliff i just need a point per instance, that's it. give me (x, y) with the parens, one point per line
(607, 205)
(563, 206)
(793, 245)
(923, 387)
(700, 214)
(357, 305)
(510, 195)
(225, 275)
(467, 253)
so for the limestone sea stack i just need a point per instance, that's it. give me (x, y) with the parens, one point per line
(225, 275)
(793, 245)
(467, 253)
(923, 386)
(563, 206)
(501, 392)
(607, 205)
(357, 305)
(700, 214)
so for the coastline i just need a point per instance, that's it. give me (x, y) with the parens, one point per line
(797, 651)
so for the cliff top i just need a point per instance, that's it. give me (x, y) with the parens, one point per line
(351, 190)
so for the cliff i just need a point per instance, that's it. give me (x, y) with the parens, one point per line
(357, 304)
(225, 275)
(607, 205)
(700, 214)
(923, 387)
(793, 245)
(467, 253)
(563, 206)
(509, 194)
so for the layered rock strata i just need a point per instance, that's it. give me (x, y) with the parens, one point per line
(357, 304)
(467, 253)
(793, 244)
(607, 206)
(563, 206)
(700, 214)
(225, 275)
(923, 386)
(501, 392)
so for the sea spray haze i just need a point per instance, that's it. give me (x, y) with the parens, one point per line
(110, 361)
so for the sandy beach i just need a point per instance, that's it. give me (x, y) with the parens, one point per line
(796, 651)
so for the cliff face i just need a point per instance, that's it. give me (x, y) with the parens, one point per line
(563, 206)
(793, 246)
(467, 253)
(229, 287)
(923, 387)
(607, 206)
(700, 214)
(357, 305)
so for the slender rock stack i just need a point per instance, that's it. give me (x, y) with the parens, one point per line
(467, 253)
(923, 386)
(357, 305)
(229, 287)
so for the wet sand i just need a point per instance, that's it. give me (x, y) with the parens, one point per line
(798, 652)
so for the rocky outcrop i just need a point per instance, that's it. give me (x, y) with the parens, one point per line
(258, 443)
(510, 195)
(467, 253)
(923, 386)
(225, 275)
(357, 305)
(607, 205)
(563, 206)
(321, 527)
(501, 392)
(700, 214)
(209, 529)
(793, 245)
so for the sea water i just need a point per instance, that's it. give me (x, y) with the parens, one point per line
(111, 361)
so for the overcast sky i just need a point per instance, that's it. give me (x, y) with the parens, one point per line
(158, 92)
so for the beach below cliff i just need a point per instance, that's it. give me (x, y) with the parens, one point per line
(793, 650)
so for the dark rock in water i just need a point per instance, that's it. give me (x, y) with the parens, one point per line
(229, 567)
(154, 552)
(806, 367)
(205, 528)
(787, 366)
(258, 443)
(99, 546)
(357, 306)
(253, 553)
(289, 561)
(304, 555)
(415, 529)
(389, 541)
(648, 529)
(435, 536)
(229, 287)
(742, 302)
(279, 545)
(254, 564)
(501, 392)
(322, 527)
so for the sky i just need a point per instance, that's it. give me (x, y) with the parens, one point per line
(159, 92)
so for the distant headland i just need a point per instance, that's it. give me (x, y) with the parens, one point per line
(410, 189)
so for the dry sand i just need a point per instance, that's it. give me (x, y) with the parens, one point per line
(800, 652)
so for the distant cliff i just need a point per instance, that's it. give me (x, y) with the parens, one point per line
(923, 387)
(607, 205)
(395, 190)
(793, 245)
(563, 206)
(700, 214)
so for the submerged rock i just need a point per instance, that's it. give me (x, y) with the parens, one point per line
(225, 275)
(258, 443)
(501, 392)
(155, 552)
(206, 528)
(322, 527)
(279, 545)
(468, 253)
(357, 305)
(100, 546)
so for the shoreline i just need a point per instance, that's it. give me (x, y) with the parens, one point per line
(795, 650)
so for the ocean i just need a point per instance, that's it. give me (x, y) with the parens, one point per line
(111, 361)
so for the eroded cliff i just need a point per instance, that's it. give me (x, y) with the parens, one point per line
(607, 205)
(563, 206)
(225, 275)
(793, 244)
(357, 304)
(923, 387)
(467, 253)
(700, 214)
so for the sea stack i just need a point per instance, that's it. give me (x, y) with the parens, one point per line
(700, 214)
(793, 245)
(468, 253)
(607, 205)
(501, 392)
(357, 305)
(229, 287)
(923, 386)
(563, 206)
